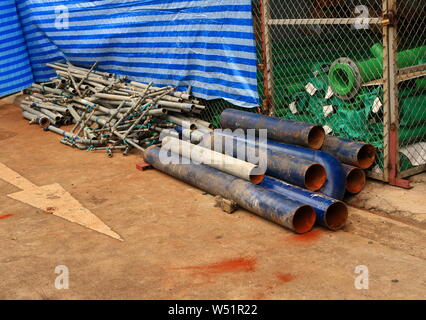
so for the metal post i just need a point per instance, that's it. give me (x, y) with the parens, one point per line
(386, 107)
(266, 56)
(391, 84)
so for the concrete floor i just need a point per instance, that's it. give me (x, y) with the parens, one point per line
(177, 245)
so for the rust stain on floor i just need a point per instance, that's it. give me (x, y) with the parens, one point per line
(8, 215)
(245, 264)
(309, 237)
(285, 277)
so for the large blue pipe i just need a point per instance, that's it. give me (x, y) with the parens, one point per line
(355, 179)
(269, 205)
(350, 152)
(287, 131)
(331, 213)
(335, 185)
(300, 172)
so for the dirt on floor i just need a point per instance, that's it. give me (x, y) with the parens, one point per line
(178, 245)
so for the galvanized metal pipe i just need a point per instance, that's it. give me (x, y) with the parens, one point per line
(35, 112)
(183, 122)
(44, 122)
(72, 136)
(282, 130)
(269, 205)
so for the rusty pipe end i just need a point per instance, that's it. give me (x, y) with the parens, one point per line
(304, 219)
(316, 137)
(355, 180)
(256, 178)
(366, 156)
(315, 177)
(336, 216)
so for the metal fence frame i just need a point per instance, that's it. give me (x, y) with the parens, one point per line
(392, 76)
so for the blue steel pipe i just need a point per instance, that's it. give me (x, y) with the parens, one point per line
(350, 152)
(331, 213)
(269, 205)
(300, 172)
(335, 185)
(287, 131)
(303, 173)
(355, 179)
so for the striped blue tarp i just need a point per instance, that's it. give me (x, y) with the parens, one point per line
(208, 44)
(15, 69)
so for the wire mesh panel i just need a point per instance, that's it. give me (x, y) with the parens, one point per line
(411, 78)
(326, 66)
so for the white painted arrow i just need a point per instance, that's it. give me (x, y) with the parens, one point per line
(54, 199)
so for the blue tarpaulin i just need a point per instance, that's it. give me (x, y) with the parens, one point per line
(208, 44)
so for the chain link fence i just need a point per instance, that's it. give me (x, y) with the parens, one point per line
(328, 63)
(410, 57)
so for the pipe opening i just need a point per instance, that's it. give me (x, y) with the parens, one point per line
(304, 219)
(366, 156)
(257, 178)
(336, 216)
(193, 126)
(342, 78)
(355, 181)
(315, 177)
(44, 122)
(316, 137)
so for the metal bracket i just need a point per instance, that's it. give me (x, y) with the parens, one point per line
(390, 18)
(402, 183)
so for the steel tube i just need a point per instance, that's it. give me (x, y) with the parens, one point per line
(77, 139)
(330, 213)
(288, 131)
(44, 122)
(269, 205)
(350, 152)
(219, 161)
(355, 179)
(185, 123)
(335, 184)
(301, 172)
(51, 114)
(35, 112)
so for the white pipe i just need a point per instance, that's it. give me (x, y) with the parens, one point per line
(216, 160)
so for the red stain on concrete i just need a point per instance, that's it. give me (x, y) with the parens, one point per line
(8, 215)
(285, 277)
(308, 237)
(231, 265)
